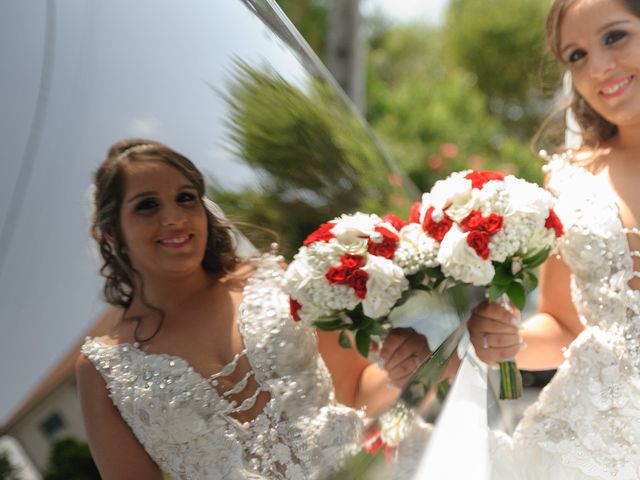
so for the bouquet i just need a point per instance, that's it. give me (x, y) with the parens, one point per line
(352, 271)
(491, 230)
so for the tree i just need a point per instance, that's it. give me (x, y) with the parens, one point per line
(7, 469)
(432, 114)
(71, 459)
(502, 43)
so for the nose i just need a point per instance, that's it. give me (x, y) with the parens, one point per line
(173, 215)
(601, 62)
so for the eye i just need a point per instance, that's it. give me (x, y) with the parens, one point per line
(613, 37)
(147, 205)
(185, 197)
(576, 55)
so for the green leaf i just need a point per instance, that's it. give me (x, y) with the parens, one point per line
(377, 328)
(517, 295)
(537, 259)
(404, 297)
(530, 281)
(495, 291)
(503, 276)
(330, 325)
(363, 341)
(344, 340)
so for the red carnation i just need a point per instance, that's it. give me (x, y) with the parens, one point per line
(436, 230)
(493, 223)
(338, 275)
(358, 281)
(294, 307)
(352, 262)
(385, 248)
(479, 241)
(414, 214)
(473, 221)
(553, 222)
(322, 234)
(480, 177)
(394, 220)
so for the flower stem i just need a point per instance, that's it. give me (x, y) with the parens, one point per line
(510, 380)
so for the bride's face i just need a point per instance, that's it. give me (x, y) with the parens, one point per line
(600, 44)
(163, 221)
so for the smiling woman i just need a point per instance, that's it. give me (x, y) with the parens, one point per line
(237, 91)
(205, 358)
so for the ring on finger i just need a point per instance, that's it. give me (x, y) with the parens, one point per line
(416, 359)
(485, 342)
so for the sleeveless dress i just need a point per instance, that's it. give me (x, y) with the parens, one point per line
(186, 425)
(586, 423)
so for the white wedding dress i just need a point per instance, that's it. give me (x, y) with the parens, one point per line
(586, 423)
(187, 427)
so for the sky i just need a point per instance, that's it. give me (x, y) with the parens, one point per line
(431, 11)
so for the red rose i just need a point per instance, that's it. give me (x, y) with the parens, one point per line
(479, 241)
(394, 220)
(480, 177)
(322, 234)
(473, 221)
(493, 223)
(553, 222)
(414, 214)
(385, 248)
(294, 307)
(352, 261)
(358, 281)
(436, 230)
(338, 275)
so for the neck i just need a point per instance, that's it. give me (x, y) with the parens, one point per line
(170, 293)
(627, 139)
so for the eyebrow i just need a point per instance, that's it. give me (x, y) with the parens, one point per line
(153, 192)
(600, 30)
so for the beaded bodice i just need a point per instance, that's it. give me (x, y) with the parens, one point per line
(590, 413)
(190, 429)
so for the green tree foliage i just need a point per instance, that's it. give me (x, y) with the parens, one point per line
(7, 469)
(315, 159)
(432, 114)
(310, 18)
(71, 459)
(502, 43)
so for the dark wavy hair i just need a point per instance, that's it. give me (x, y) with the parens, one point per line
(119, 288)
(594, 128)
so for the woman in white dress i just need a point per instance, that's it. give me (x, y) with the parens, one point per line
(586, 423)
(205, 375)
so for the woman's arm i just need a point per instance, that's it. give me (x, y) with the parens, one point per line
(115, 449)
(545, 334)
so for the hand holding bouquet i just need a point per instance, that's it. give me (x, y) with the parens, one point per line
(493, 230)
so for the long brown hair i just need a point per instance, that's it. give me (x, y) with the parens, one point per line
(117, 269)
(594, 128)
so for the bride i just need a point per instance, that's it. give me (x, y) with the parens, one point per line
(586, 423)
(205, 376)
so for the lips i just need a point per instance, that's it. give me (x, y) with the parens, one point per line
(176, 241)
(616, 87)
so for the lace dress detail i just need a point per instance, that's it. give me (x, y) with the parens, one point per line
(187, 427)
(586, 423)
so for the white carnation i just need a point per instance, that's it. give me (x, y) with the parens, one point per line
(385, 285)
(352, 231)
(459, 261)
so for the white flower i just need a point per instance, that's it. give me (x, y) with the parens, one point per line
(385, 285)
(416, 249)
(459, 261)
(453, 194)
(527, 197)
(352, 231)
